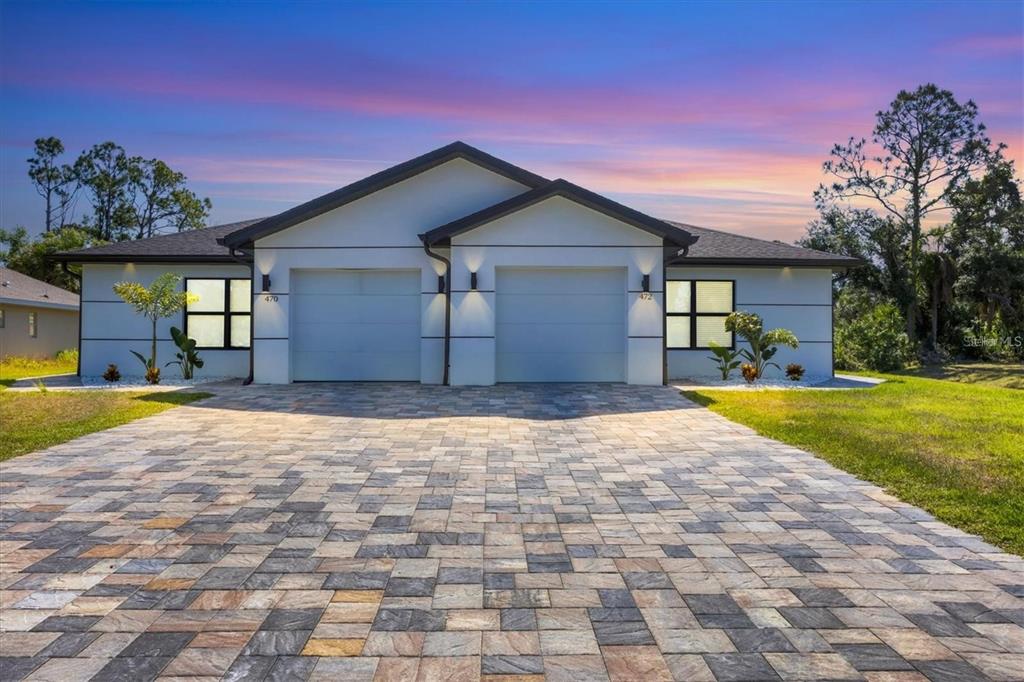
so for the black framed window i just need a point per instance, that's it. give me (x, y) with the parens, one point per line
(33, 325)
(695, 312)
(221, 316)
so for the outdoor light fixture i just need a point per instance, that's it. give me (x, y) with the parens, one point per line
(266, 283)
(440, 284)
(472, 281)
(645, 284)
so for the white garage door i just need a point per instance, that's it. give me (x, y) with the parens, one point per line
(561, 324)
(355, 325)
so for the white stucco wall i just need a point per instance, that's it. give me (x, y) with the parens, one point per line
(111, 328)
(378, 231)
(798, 299)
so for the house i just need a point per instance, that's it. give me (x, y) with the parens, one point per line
(36, 319)
(458, 267)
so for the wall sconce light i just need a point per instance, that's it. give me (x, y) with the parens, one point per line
(472, 281)
(266, 283)
(645, 284)
(440, 284)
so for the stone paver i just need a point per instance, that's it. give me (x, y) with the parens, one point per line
(512, 533)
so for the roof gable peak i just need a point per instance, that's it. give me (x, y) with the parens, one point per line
(378, 181)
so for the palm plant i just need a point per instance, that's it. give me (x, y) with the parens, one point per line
(763, 344)
(161, 299)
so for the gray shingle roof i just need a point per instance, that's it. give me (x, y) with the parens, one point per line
(19, 289)
(193, 245)
(715, 247)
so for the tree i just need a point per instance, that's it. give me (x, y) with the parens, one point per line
(986, 239)
(160, 200)
(56, 183)
(105, 172)
(925, 146)
(31, 257)
(862, 234)
(161, 299)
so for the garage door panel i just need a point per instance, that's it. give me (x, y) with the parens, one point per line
(358, 308)
(355, 325)
(552, 367)
(364, 282)
(563, 338)
(563, 307)
(318, 366)
(561, 280)
(560, 324)
(352, 338)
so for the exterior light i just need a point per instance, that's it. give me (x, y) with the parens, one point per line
(472, 281)
(266, 283)
(645, 284)
(440, 284)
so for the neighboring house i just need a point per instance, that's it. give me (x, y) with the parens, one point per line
(36, 319)
(461, 268)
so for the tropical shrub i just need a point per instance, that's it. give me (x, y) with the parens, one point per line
(188, 359)
(725, 359)
(153, 375)
(763, 344)
(794, 371)
(112, 374)
(870, 334)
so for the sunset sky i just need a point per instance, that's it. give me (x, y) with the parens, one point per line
(711, 113)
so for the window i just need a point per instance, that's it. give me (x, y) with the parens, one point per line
(33, 327)
(3, 320)
(695, 312)
(220, 318)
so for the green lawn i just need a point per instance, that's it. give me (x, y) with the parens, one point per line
(952, 448)
(12, 369)
(33, 420)
(993, 374)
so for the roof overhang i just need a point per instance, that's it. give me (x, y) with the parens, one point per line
(821, 263)
(560, 188)
(24, 303)
(82, 258)
(377, 182)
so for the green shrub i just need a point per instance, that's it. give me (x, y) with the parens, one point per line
(870, 334)
(68, 355)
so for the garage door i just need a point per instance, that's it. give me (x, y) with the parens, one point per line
(561, 324)
(355, 325)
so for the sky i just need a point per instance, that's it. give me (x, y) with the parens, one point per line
(717, 114)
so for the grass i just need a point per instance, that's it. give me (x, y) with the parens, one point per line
(952, 448)
(14, 368)
(33, 420)
(991, 373)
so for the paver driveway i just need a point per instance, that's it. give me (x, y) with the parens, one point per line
(511, 533)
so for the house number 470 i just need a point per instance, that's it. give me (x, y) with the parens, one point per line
(270, 298)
